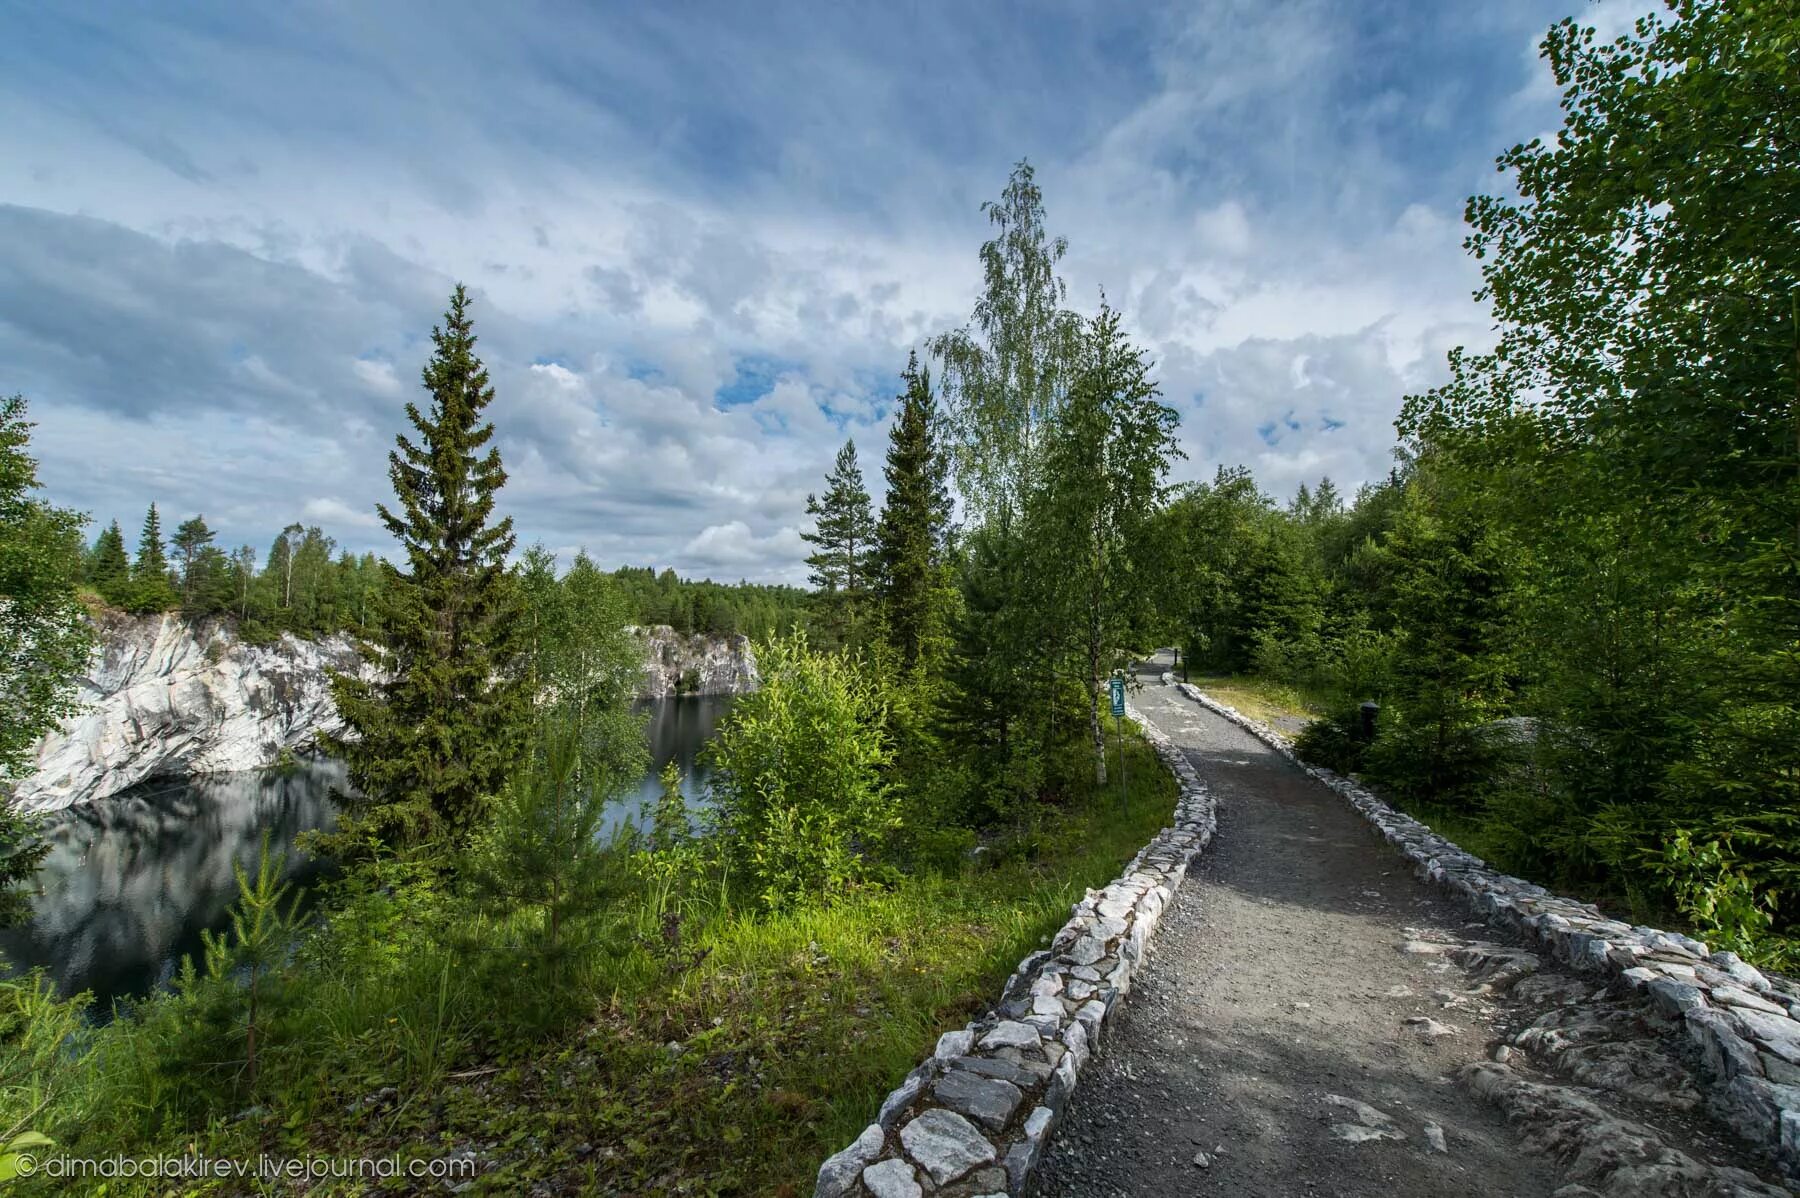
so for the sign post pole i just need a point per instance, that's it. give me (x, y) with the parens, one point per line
(1116, 684)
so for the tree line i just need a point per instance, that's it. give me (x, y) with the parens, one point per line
(304, 585)
(714, 608)
(301, 585)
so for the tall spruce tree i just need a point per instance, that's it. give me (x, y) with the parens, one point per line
(151, 589)
(110, 570)
(844, 531)
(915, 517)
(430, 742)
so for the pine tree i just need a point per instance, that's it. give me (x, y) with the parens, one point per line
(844, 532)
(909, 541)
(543, 849)
(191, 539)
(432, 741)
(150, 586)
(110, 573)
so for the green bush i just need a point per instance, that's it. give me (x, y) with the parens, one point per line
(1334, 741)
(802, 805)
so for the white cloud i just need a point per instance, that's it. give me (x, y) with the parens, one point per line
(218, 284)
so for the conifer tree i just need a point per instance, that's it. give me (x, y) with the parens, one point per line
(191, 540)
(909, 540)
(844, 531)
(430, 743)
(150, 586)
(110, 572)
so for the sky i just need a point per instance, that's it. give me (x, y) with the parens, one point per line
(702, 238)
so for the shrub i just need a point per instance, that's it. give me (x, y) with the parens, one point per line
(1334, 741)
(540, 858)
(800, 798)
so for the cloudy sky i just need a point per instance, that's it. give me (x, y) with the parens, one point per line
(702, 238)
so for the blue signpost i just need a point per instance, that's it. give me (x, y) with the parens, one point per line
(1116, 685)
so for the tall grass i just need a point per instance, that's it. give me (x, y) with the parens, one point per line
(781, 1030)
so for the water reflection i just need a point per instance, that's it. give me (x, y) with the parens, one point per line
(678, 729)
(132, 880)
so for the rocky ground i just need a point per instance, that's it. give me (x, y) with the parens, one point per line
(1313, 1020)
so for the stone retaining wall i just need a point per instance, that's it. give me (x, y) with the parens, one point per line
(974, 1117)
(1741, 1021)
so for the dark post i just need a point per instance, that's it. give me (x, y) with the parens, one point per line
(1369, 711)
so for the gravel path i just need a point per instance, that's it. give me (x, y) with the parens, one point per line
(1274, 1014)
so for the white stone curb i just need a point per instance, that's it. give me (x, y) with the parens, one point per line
(973, 1118)
(1741, 1021)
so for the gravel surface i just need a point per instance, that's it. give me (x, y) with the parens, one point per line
(1306, 1006)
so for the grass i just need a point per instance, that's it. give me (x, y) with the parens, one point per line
(1261, 699)
(732, 1062)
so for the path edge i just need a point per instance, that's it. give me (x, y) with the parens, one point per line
(975, 1116)
(1742, 1021)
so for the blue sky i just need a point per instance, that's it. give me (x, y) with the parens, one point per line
(702, 238)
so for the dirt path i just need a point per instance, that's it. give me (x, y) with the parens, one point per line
(1278, 999)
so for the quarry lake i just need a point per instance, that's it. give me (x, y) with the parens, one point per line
(132, 880)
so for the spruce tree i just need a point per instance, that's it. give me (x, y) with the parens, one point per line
(150, 586)
(110, 572)
(844, 531)
(431, 741)
(909, 540)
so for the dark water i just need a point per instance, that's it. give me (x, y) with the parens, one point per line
(132, 880)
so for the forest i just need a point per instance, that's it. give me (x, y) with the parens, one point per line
(305, 586)
(1575, 600)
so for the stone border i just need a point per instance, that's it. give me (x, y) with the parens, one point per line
(973, 1118)
(1742, 1022)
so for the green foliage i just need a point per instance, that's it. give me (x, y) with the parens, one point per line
(1721, 901)
(431, 741)
(844, 533)
(1579, 595)
(240, 981)
(1334, 740)
(801, 803)
(150, 589)
(1449, 599)
(540, 853)
(1105, 460)
(911, 538)
(109, 570)
(1638, 428)
(1006, 373)
(671, 825)
(718, 609)
(44, 634)
(37, 1032)
(584, 666)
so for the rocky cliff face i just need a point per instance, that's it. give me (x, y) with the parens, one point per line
(163, 697)
(678, 663)
(166, 698)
